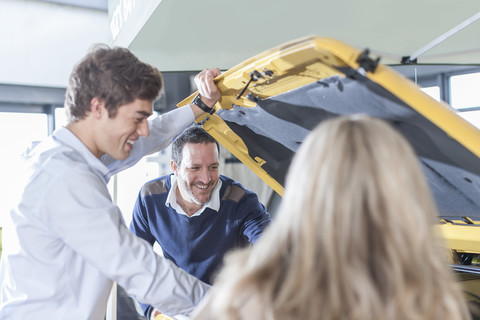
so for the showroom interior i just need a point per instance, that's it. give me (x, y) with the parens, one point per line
(433, 44)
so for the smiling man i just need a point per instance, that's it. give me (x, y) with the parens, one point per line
(65, 242)
(195, 214)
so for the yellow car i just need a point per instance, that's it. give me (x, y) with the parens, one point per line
(271, 102)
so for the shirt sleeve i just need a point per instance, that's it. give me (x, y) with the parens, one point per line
(256, 217)
(163, 129)
(80, 212)
(140, 227)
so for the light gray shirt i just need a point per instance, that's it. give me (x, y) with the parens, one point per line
(65, 242)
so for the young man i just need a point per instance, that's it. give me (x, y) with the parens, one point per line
(65, 242)
(195, 214)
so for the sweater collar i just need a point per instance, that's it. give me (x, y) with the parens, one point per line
(213, 203)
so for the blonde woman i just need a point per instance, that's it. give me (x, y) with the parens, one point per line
(353, 238)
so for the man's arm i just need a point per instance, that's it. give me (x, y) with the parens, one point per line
(93, 228)
(256, 217)
(140, 227)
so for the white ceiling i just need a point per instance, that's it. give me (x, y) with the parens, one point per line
(191, 35)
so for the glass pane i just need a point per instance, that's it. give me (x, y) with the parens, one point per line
(471, 116)
(433, 92)
(130, 181)
(464, 90)
(18, 131)
(60, 117)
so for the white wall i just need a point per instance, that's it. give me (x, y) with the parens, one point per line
(40, 42)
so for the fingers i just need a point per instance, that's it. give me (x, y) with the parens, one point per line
(207, 87)
(216, 72)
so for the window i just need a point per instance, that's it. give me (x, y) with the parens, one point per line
(471, 116)
(433, 92)
(465, 91)
(17, 130)
(60, 117)
(465, 96)
(125, 185)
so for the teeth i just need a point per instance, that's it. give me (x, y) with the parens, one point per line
(130, 142)
(201, 187)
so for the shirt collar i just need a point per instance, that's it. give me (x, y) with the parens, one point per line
(213, 203)
(65, 136)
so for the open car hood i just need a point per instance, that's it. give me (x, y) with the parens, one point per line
(272, 101)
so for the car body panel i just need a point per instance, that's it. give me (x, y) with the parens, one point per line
(271, 102)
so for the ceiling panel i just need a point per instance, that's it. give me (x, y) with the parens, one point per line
(191, 35)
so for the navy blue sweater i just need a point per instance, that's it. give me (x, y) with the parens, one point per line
(198, 244)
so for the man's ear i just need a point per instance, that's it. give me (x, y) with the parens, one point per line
(174, 167)
(97, 107)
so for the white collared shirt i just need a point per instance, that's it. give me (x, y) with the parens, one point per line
(65, 242)
(213, 203)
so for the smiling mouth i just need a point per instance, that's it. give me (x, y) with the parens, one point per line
(131, 142)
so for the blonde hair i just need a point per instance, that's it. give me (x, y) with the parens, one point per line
(353, 238)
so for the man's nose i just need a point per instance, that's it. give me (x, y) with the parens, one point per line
(143, 129)
(205, 176)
